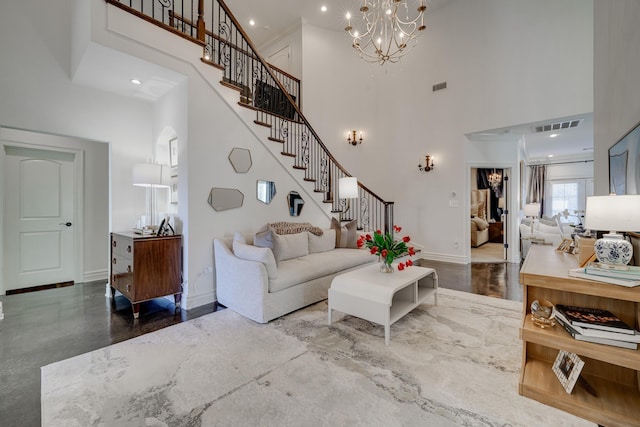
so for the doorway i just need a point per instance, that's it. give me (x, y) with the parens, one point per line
(40, 216)
(489, 199)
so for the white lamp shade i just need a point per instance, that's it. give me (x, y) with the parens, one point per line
(150, 175)
(501, 202)
(348, 188)
(613, 213)
(532, 209)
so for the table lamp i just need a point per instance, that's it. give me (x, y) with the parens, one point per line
(152, 176)
(532, 210)
(347, 189)
(619, 213)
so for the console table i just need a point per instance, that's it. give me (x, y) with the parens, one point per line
(613, 372)
(495, 232)
(146, 267)
(382, 298)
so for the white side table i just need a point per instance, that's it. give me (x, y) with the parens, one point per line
(382, 298)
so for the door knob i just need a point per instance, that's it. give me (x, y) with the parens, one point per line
(68, 224)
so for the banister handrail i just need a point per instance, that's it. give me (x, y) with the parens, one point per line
(270, 98)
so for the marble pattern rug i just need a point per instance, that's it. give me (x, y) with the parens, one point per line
(453, 364)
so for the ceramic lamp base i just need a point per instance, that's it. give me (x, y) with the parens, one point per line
(613, 249)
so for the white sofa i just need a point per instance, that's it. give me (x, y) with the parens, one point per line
(546, 231)
(262, 291)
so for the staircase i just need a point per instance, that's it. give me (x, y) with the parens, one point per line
(273, 94)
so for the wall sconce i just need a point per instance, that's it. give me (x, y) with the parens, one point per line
(428, 164)
(351, 138)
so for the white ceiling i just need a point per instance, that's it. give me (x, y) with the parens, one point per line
(110, 70)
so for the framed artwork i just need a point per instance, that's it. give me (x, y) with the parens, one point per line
(174, 189)
(567, 368)
(173, 152)
(624, 164)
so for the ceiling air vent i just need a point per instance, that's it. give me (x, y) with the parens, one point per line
(558, 126)
(439, 86)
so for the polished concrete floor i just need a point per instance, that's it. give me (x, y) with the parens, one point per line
(43, 327)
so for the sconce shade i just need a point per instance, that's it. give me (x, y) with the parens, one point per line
(501, 202)
(613, 213)
(150, 175)
(348, 188)
(532, 209)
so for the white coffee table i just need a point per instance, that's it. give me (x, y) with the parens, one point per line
(382, 298)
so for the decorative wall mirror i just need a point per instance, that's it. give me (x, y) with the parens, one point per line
(222, 199)
(240, 159)
(266, 191)
(296, 203)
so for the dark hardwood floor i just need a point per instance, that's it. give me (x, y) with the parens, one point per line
(47, 326)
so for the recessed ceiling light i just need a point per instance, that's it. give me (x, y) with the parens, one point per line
(252, 22)
(550, 156)
(136, 82)
(323, 8)
(553, 135)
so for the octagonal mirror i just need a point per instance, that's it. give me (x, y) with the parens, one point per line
(240, 159)
(265, 191)
(296, 203)
(222, 199)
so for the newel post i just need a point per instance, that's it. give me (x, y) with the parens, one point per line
(200, 23)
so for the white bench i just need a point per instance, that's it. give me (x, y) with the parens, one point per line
(382, 298)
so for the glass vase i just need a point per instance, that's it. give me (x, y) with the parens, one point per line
(385, 267)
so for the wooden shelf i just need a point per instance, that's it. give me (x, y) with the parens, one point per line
(614, 372)
(616, 405)
(559, 339)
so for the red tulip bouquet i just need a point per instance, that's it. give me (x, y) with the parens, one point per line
(388, 248)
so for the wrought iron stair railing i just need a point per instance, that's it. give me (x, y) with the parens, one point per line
(272, 93)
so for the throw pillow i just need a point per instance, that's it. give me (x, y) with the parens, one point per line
(288, 246)
(324, 243)
(264, 237)
(239, 237)
(481, 223)
(474, 209)
(253, 253)
(551, 222)
(346, 235)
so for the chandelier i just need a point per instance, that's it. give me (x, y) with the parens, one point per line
(495, 179)
(387, 31)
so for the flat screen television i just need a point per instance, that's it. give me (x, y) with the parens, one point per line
(624, 163)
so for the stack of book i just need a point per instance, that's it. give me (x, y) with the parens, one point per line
(597, 326)
(624, 275)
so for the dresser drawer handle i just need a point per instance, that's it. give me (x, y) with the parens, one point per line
(129, 248)
(129, 288)
(114, 243)
(114, 261)
(128, 269)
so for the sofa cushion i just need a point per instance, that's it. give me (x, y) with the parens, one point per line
(480, 223)
(254, 253)
(346, 235)
(326, 242)
(264, 237)
(289, 246)
(294, 271)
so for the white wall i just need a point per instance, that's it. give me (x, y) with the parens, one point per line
(37, 95)
(506, 62)
(616, 82)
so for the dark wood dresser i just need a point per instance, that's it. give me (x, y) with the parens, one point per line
(146, 267)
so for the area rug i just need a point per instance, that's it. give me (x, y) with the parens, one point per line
(453, 364)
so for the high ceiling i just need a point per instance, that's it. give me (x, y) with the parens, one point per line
(275, 17)
(110, 70)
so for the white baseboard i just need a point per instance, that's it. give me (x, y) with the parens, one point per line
(92, 276)
(455, 259)
(193, 301)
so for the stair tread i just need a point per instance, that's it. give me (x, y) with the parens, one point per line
(302, 168)
(276, 140)
(287, 154)
(258, 122)
(310, 179)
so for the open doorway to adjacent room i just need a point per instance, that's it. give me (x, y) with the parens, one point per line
(488, 199)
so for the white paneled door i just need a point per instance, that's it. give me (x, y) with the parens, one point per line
(38, 214)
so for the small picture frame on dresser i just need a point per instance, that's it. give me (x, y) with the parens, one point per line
(567, 368)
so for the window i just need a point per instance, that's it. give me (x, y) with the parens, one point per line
(567, 196)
